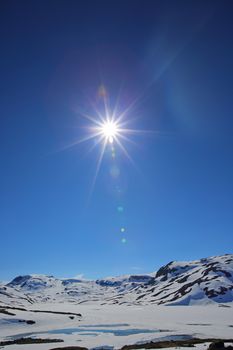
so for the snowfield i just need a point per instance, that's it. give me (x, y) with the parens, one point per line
(198, 321)
(181, 299)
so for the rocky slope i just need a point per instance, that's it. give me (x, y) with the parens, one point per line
(208, 280)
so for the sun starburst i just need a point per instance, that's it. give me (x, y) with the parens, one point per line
(108, 127)
(110, 130)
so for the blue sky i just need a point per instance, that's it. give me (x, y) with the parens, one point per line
(175, 59)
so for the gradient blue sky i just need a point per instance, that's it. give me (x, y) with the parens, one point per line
(175, 58)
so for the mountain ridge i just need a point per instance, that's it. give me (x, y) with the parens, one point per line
(203, 281)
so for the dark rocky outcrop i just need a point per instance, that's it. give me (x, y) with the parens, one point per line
(180, 343)
(219, 345)
(70, 348)
(30, 341)
(28, 321)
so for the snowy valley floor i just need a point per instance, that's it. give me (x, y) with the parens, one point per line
(116, 326)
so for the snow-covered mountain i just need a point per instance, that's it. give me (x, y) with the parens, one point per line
(203, 281)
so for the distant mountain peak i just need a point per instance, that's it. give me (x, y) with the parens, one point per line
(208, 280)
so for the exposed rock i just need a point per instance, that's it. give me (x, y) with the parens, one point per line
(219, 345)
(30, 341)
(27, 321)
(70, 348)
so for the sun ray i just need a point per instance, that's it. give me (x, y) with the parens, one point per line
(77, 142)
(100, 116)
(127, 139)
(98, 167)
(128, 109)
(98, 141)
(125, 152)
(90, 118)
(136, 131)
(117, 103)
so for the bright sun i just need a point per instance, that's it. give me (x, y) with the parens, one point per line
(109, 130)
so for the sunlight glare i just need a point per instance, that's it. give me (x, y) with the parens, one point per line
(109, 130)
